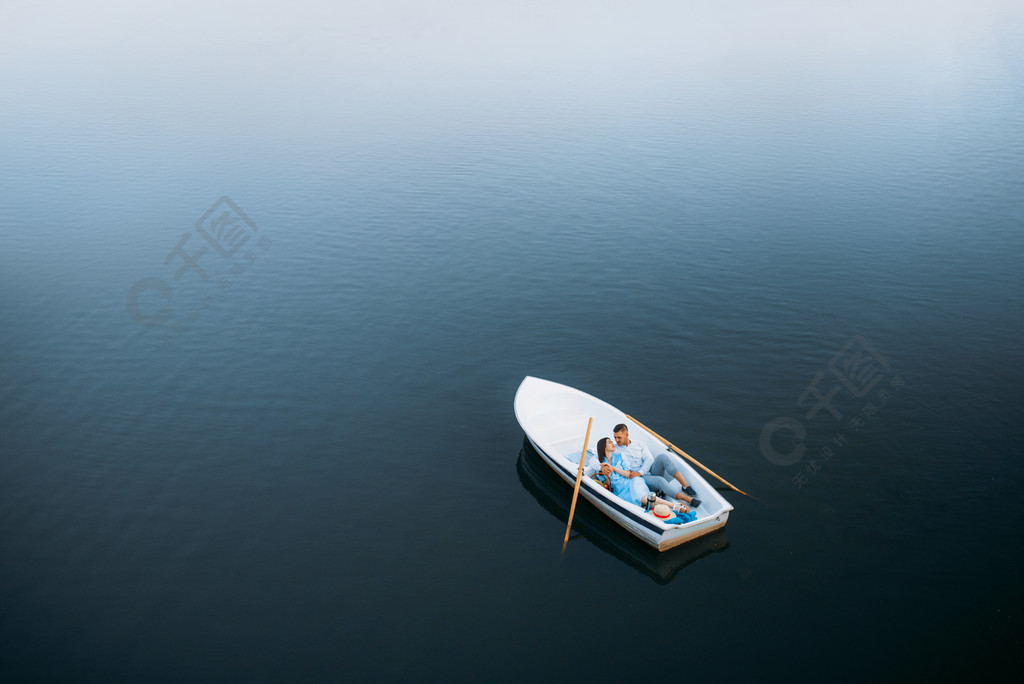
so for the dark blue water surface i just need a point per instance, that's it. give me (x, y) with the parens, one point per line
(307, 467)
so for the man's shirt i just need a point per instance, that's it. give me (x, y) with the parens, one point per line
(636, 456)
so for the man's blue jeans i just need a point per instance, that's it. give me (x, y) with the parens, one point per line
(662, 476)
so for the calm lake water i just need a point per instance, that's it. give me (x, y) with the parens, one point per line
(271, 437)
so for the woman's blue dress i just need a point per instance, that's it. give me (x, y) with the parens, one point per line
(630, 489)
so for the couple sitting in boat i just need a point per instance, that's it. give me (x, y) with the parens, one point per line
(631, 471)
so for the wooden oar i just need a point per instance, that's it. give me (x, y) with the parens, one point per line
(579, 478)
(687, 456)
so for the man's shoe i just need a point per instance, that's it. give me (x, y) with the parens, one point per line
(695, 503)
(690, 490)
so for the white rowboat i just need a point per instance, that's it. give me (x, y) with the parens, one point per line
(554, 418)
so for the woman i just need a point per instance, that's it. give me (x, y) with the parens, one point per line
(631, 489)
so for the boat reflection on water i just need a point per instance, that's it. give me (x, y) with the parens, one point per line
(589, 522)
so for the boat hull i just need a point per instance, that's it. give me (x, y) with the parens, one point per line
(554, 416)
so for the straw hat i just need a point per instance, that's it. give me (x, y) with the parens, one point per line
(663, 512)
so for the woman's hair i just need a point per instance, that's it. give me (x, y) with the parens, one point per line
(600, 448)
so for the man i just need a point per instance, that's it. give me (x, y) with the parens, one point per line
(659, 472)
